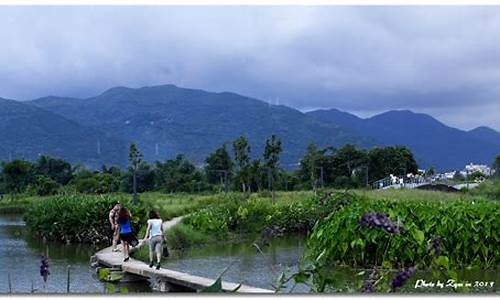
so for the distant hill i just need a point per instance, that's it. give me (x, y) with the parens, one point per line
(167, 120)
(27, 131)
(433, 142)
(486, 134)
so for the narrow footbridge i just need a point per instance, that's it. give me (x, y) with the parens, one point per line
(424, 184)
(167, 280)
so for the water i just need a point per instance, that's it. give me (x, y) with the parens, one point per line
(246, 264)
(20, 257)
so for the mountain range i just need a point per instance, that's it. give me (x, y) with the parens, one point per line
(166, 120)
(432, 142)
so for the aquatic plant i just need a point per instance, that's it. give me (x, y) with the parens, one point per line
(380, 220)
(402, 277)
(44, 268)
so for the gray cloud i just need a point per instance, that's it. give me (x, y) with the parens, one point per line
(441, 60)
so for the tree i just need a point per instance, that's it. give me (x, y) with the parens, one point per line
(346, 162)
(46, 186)
(144, 179)
(177, 175)
(256, 175)
(431, 171)
(309, 165)
(496, 166)
(241, 150)
(219, 166)
(56, 169)
(17, 175)
(397, 160)
(272, 151)
(135, 158)
(458, 176)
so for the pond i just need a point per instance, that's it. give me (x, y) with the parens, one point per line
(20, 259)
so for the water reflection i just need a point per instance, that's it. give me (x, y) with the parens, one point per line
(20, 257)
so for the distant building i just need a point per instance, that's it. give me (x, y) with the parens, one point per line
(471, 168)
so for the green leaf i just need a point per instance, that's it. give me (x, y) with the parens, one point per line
(418, 235)
(386, 264)
(216, 287)
(103, 273)
(453, 275)
(443, 261)
(300, 277)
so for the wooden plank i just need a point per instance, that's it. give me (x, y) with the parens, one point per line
(115, 260)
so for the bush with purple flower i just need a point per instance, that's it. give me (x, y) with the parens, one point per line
(402, 277)
(44, 268)
(380, 220)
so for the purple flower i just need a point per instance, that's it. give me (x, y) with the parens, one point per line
(401, 278)
(379, 220)
(44, 268)
(369, 285)
(437, 244)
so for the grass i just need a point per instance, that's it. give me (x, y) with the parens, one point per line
(416, 195)
(18, 204)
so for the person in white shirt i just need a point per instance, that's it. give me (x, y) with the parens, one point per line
(155, 235)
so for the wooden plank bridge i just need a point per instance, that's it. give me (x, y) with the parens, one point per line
(167, 280)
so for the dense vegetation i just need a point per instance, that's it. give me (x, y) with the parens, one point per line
(225, 169)
(78, 218)
(468, 228)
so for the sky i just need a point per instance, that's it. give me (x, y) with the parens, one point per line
(444, 61)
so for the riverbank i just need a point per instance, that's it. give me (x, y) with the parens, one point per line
(20, 260)
(256, 220)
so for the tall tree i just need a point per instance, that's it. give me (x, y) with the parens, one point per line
(396, 160)
(17, 175)
(177, 175)
(309, 164)
(241, 150)
(219, 166)
(496, 166)
(272, 151)
(135, 158)
(57, 169)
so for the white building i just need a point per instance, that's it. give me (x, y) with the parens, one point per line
(483, 169)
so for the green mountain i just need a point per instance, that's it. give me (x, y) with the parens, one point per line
(167, 120)
(27, 131)
(432, 142)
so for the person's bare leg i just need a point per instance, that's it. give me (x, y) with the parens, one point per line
(115, 241)
(125, 249)
(158, 256)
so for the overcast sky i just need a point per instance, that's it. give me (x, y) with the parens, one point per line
(439, 60)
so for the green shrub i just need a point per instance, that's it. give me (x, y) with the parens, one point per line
(489, 188)
(183, 236)
(77, 217)
(46, 186)
(470, 232)
(213, 220)
(100, 183)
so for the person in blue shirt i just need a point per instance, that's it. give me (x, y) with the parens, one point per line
(126, 234)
